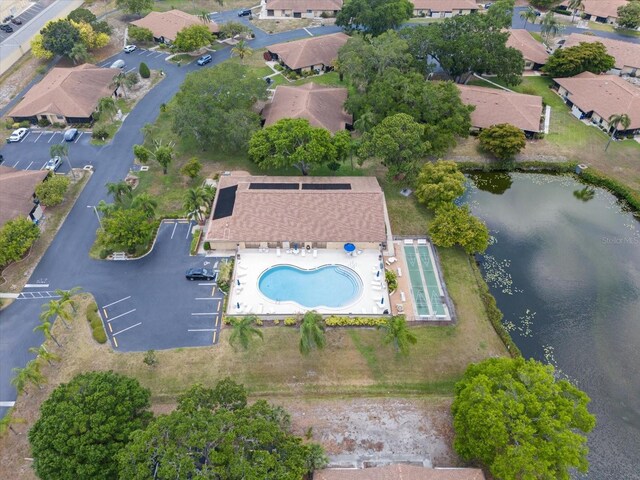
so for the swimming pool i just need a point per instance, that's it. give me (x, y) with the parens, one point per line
(331, 286)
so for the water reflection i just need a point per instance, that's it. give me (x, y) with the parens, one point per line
(496, 183)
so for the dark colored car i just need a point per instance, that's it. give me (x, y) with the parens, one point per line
(201, 274)
(6, 28)
(16, 21)
(1, 158)
(245, 12)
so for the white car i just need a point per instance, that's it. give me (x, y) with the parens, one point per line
(129, 48)
(17, 135)
(53, 164)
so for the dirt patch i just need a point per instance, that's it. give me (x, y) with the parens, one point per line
(277, 26)
(18, 76)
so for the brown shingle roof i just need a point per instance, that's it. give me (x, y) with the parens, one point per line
(267, 215)
(627, 54)
(444, 5)
(495, 106)
(322, 106)
(71, 92)
(605, 95)
(304, 5)
(601, 8)
(399, 472)
(531, 49)
(310, 51)
(16, 191)
(168, 24)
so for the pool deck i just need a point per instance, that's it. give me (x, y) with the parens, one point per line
(252, 262)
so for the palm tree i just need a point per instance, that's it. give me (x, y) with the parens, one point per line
(243, 330)
(529, 15)
(29, 374)
(204, 17)
(575, 5)
(615, 121)
(62, 150)
(120, 81)
(585, 194)
(54, 309)
(45, 328)
(241, 50)
(79, 53)
(146, 203)
(107, 106)
(195, 204)
(45, 354)
(550, 27)
(120, 192)
(65, 297)
(397, 332)
(311, 332)
(163, 155)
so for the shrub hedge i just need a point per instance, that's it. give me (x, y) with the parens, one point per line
(97, 329)
(195, 241)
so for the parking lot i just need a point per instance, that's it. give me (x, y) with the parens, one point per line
(133, 59)
(24, 17)
(151, 305)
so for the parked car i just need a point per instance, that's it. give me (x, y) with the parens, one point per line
(17, 135)
(6, 28)
(1, 158)
(16, 21)
(203, 60)
(71, 134)
(118, 64)
(53, 164)
(245, 12)
(201, 274)
(129, 48)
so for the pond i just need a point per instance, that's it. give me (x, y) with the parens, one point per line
(564, 266)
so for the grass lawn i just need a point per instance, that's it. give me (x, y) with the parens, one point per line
(283, 25)
(195, 7)
(605, 27)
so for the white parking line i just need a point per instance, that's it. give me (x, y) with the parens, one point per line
(201, 330)
(160, 54)
(141, 52)
(81, 133)
(151, 52)
(25, 137)
(16, 164)
(29, 166)
(121, 315)
(54, 134)
(206, 313)
(43, 165)
(188, 231)
(310, 34)
(206, 284)
(204, 298)
(41, 133)
(125, 329)
(175, 225)
(36, 285)
(130, 70)
(117, 301)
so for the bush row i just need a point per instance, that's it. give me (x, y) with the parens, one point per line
(618, 189)
(195, 241)
(97, 329)
(331, 321)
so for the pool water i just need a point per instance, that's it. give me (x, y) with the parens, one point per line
(331, 286)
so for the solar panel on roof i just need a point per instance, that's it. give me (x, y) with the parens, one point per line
(274, 186)
(226, 202)
(326, 186)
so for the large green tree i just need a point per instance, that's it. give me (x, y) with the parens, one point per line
(439, 184)
(193, 37)
(503, 141)
(127, 229)
(546, 4)
(85, 423)
(59, 37)
(520, 420)
(16, 238)
(226, 394)
(584, 57)
(201, 439)
(135, 6)
(213, 107)
(374, 16)
(51, 192)
(455, 225)
(293, 142)
(398, 141)
(629, 14)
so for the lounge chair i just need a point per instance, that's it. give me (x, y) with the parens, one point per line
(403, 297)
(399, 272)
(304, 253)
(422, 241)
(277, 252)
(408, 241)
(376, 287)
(315, 253)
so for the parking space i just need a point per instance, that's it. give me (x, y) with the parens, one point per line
(154, 306)
(24, 17)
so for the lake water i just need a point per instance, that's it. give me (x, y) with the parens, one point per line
(564, 267)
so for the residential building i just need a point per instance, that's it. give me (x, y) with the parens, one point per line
(313, 53)
(17, 193)
(66, 95)
(443, 8)
(627, 54)
(323, 106)
(534, 53)
(603, 11)
(166, 25)
(300, 8)
(598, 97)
(312, 212)
(495, 106)
(399, 472)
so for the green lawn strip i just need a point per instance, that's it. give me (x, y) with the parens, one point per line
(605, 27)
(368, 352)
(196, 7)
(537, 36)
(182, 58)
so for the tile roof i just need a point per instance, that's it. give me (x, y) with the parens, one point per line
(600, 8)
(271, 215)
(627, 54)
(495, 106)
(303, 53)
(531, 49)
(605, 95)
(445, 5)
(16, 191)
(168, 24)
(304, 5)
(322, 106)
(399, 472)
(71, 92)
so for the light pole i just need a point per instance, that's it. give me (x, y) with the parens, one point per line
(97, 215)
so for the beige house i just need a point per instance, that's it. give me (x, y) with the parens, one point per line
(322, 106)
(603, 11)
(66, 95)
(166, 25)
(443, 8)
(17, 193)
(598, 97)
(494, 106)
(300, 8)
(627, 54)
(399, 472)
(307, 212)
(313, 53)
(533, 52)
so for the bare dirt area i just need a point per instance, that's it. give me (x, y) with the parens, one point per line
(18, 76)
(277, 26)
